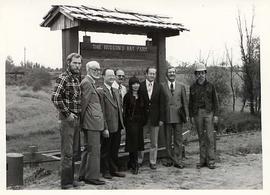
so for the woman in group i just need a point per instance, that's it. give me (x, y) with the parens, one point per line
(134, 121)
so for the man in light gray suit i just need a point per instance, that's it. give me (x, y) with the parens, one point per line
(114, 123)
(92, 122)
(175, 102)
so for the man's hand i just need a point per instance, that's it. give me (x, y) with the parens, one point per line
(106, 133)
(71, 117)
(187, 119)
(160, 123)
(215, 119)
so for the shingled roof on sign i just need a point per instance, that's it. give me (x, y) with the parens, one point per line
(80, 16)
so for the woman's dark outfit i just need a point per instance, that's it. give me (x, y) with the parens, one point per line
(134, 121)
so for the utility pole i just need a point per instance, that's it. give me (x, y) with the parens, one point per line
(24, 59)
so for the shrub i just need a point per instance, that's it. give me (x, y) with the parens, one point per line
(38, 78)
(37, 85)
(239, 121)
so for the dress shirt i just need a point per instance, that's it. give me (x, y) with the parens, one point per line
(149, 87)
(169, 84)
(122, 91)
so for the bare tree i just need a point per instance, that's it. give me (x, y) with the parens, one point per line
(248, 54)
(203, 60)
(230, 60)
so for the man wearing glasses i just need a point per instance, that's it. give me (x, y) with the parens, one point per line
(93, 123)
(118, 83)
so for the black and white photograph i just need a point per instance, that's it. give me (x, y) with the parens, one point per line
(134, 95)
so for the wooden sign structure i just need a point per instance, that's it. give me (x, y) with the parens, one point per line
(72, 19)
(133, 59)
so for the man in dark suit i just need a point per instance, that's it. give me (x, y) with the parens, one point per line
(92, 122)
(150, 92)
(114, 123)
(174, 97)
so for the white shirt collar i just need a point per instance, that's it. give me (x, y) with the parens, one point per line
(148, 82)
(169, 83)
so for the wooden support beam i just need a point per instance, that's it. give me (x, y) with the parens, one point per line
(159, 40)
(70, 43)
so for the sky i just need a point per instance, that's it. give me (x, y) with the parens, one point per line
(212, 25)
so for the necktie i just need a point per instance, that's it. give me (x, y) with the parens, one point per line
(149, 89)
(112, 93)
(171, 87)
(120, 91)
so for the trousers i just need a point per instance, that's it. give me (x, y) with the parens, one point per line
(90, 163)
(109, 153)
(70, 149)
(205, 129)
(153, 132)
(174, 142)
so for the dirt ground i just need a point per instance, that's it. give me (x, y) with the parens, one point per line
(239, 166)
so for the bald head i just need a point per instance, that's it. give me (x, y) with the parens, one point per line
(93, 69)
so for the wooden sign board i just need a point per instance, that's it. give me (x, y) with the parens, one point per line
(133, 59)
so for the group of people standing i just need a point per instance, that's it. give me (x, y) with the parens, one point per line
(103, 112)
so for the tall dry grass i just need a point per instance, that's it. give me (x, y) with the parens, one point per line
(28, 111)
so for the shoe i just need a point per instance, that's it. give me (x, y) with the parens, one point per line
(129, 165)
(78, 184)
(211, 166)
(135, 170)
(118, 174)
(153, 166)
(66, 187)
(199, 165)
(179, 166)
(107, 176)
(167, 164)
(81, 178)
(94, 181)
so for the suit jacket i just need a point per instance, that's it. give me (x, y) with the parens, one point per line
(91, 116)
(152, 106)
(172, 103)
(112, 109)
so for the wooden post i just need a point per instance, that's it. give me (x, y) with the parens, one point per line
(70, 43)
(159, 40)
(215, 142)
(33, 155)
(87, 39)
(14, 169)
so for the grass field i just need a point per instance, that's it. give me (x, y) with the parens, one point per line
(28, 114)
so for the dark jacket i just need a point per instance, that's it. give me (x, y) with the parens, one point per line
(173, 103)
(92, 117)
(152, 106)
(133, 112)
(207, 94)
(112, 109)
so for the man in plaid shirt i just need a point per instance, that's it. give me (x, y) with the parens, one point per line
(66, 97)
